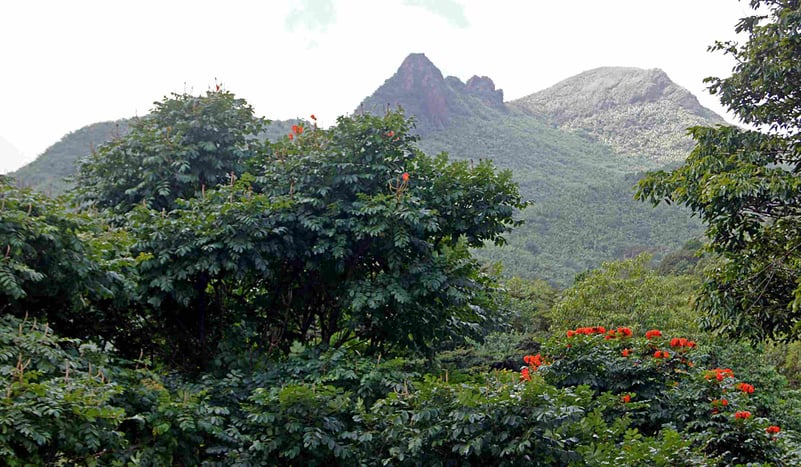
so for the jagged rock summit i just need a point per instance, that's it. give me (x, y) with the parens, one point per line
(420, 88)
(637, 112)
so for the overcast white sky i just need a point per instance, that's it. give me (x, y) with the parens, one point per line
(66, 64)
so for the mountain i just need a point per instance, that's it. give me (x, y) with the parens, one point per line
(48, 172)
(637, 112)
(579, 178)
(419, 87)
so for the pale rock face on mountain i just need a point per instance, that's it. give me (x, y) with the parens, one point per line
(637, 112)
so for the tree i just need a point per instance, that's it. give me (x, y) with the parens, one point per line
(58, 266)
(330, 236)
(185, 145)
(628, 293)
(744, 183)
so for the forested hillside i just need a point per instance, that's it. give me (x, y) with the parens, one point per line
(581, 185)
(50, 172)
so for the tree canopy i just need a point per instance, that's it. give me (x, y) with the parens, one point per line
(350, 233)
(185, 144)
(744, 183)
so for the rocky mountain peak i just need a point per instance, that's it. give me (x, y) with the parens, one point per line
(420, 88)
(483, 88)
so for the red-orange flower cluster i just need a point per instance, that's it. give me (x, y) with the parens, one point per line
(719, 373)
(534, 362)
(587, 331)
(405, 176)
(742, 415)
(681, 342)
(745, 387)
(626, 352)
(297, 129)
(653, 333)
(626, 398)
(619, 332)
(773, 429)
(720, 403)
(661, 354)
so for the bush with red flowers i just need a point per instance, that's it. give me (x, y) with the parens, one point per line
(658, 389)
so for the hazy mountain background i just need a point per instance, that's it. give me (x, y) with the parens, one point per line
(576, 148)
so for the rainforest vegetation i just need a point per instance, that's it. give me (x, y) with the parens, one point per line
(204, 296)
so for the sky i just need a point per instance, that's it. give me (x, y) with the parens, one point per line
(67, 64)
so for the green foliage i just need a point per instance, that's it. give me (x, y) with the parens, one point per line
(744, 184)
(56, 394)
(56, 265)
(185, 144)
(687, 260)
(340, 234)
(529, 302)
(628, 293)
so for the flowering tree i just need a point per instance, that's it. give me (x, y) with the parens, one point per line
(328, 236)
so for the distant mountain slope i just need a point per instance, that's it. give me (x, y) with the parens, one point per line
(637, 112)
(581, 185)
(48, 172)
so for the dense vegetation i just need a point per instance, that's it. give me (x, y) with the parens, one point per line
(218, 299)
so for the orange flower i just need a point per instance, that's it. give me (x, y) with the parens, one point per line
(625, 331)
(720, 402)
(291, 136)
(524, 374)
(533, 360)
(719, 373)
(661, 354)
(297, 129)
(626, 398)
(626, 352)
(742, 415)
(390, 134)
(653, 333)
(405, 176)
(571, 333)
(745, 387)
(773, 429)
